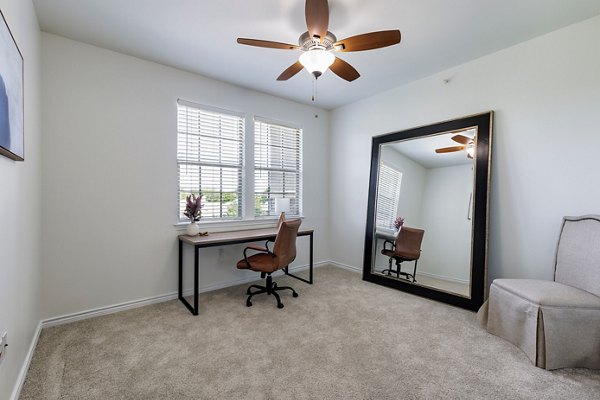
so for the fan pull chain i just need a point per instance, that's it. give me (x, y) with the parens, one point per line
(314, 96)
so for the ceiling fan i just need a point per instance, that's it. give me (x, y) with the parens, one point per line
(467, 143)
(318, 45)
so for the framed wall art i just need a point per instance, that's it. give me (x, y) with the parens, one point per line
(11, 95)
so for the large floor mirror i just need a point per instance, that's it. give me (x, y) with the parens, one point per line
(427, 212)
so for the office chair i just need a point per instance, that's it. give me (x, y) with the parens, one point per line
(407, 247)
(267, 261)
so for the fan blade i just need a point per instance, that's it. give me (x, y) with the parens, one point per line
(344, 70)
(267, 43)
(291, 71)
(462, 139)
(368, 41)
(317, 18)
(450, 149)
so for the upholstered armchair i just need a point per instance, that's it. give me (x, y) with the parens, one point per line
(556, 323)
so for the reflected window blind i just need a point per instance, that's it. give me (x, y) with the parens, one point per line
(210, 160)
(388, 195)
(277, 167)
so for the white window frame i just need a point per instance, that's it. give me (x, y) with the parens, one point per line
(247, 201)
(297, 169)
(240, 166)
(393, 210)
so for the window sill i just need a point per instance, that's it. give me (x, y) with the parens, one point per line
(237, 225)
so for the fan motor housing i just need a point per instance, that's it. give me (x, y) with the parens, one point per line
(307, 42)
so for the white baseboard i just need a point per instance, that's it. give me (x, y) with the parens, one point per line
(128, 305)
(346, 266)
(96, 312)
(443, 278)
(26, 363)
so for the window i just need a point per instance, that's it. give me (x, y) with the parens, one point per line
(240, 174)
(210, 160)
(277, 167)
(388, 195)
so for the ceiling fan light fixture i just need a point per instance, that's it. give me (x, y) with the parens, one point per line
(470, 150)
(316, 61)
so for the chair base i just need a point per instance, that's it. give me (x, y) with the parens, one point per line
(398, 272)
(271, 289)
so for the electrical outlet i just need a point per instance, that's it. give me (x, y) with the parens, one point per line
(3, 346)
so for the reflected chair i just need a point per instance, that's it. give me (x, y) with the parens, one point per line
(556, 323)
(266, 261)
(406, 247)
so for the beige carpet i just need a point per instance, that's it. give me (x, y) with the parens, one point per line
(343, 338)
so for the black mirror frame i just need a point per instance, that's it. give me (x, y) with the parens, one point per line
(479, 245)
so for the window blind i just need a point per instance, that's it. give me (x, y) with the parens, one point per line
(388, 196)
(277, 167)
(210, 159)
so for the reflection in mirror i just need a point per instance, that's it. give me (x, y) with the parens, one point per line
(432, 180)
(423, 211)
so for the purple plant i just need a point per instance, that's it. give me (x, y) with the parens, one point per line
(193, 207)
(399, 222)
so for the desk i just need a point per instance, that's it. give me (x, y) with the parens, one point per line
(225, 238)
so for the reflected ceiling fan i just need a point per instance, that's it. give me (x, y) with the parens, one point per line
(467, 143)
(318, 45)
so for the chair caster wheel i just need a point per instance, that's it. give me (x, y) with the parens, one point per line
(279, 305)
(248, 304)
(294, 294)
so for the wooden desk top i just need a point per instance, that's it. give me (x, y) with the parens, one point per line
(244, 236)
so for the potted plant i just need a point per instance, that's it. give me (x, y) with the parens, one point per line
(398, 223)
(193, 206)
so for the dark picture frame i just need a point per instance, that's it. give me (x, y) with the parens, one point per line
(479, 245)
(12, 140)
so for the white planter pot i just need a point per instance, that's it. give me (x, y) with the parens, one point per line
(192, 229)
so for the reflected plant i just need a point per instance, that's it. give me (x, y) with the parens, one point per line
(399, 222)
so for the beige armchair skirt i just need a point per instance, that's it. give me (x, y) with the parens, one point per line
(556, 325)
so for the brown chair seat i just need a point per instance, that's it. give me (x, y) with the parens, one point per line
(407, 256)
(260, 263)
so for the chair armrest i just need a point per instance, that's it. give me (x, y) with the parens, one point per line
(259, 249)
(391, 244)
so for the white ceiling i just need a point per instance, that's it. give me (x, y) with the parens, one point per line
(422, 150)
(200, 36)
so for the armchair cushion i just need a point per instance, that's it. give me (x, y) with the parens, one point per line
(548, 293)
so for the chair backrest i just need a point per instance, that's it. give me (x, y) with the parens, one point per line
(577, 261)
(285, 242)
(408, 242)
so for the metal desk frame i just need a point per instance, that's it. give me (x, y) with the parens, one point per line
(227, 238)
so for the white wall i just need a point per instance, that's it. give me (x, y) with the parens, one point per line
(546, 95)
(411, 187)
(20, 206)
(446, 247)
(110, 175)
